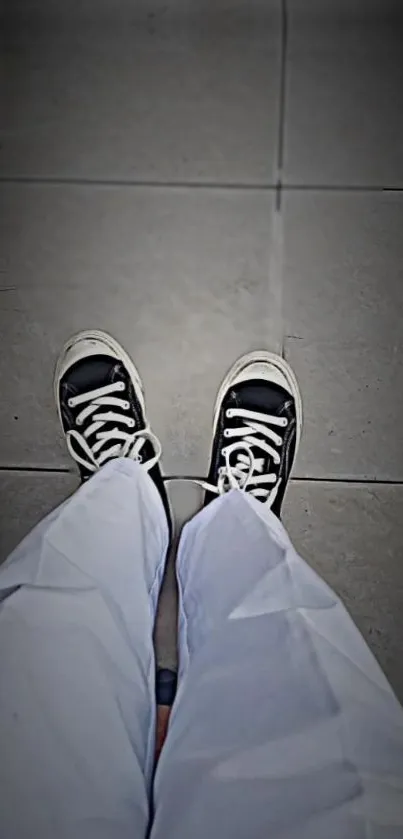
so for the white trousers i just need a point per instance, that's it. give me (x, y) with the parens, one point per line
(283, 726)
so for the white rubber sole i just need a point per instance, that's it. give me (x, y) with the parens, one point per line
(116, 350)
(263, 357)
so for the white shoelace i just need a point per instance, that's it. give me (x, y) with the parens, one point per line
(94, 446)
(247, 471)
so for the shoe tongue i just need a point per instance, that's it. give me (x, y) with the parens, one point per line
(254, 396)
(92, 373)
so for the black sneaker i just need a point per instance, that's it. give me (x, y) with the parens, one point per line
(257, 429)
(100, 400)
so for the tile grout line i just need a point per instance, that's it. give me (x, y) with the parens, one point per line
(55, 470)
(114, 183)
(282, 98)
(359, 481)
(275, 325)
(349, 481)
(41, 470)
(278, 187)
(275, 320)
(340, 188)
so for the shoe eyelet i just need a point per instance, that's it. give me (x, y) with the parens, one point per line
(70, 403)
(121, 385)
(126, 406)
(79, 421)
(226, 434)
(132, 423)
(224, 451)
(228, 413)
(139, 458)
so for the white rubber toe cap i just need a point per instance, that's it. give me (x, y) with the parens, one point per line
(266, 371)
(94, 342)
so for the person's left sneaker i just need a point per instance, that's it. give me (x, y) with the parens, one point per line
(100, 401)
(259, 407)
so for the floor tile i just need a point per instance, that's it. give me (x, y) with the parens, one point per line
(154, 93)
(342, 14)
(344, 103)
(343, 300)
(25, 498)
(179, 276)
(352, 536)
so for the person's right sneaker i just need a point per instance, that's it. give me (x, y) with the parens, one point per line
(257, 429)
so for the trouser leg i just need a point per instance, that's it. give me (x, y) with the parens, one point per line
(284, 725)
(77, 707)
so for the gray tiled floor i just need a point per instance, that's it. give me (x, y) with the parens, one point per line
(343, 303)
(140, 147)
(158, 95)
(344, 107)
(180, 276)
